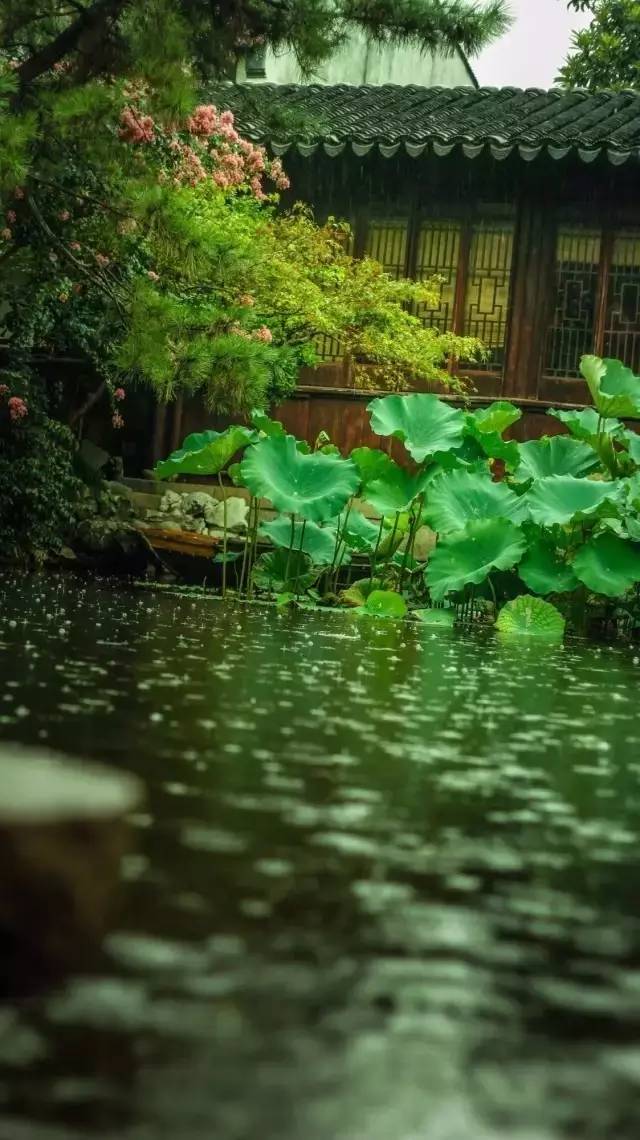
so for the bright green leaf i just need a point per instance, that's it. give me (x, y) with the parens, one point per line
(561, 498)
(555, 455)
(544, 570)
(385, 603)
(319, 542)
(444, 619)
(314, 486)
(204, 453)
(470, 555)
(608, 565)
(530, 617)
(423, 422)
(458, 497)
(615, 389)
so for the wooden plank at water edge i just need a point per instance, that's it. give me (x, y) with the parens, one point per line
(182, 541)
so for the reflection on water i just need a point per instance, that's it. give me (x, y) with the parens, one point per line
(385, 885)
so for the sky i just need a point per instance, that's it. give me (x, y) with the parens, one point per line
(533, 51)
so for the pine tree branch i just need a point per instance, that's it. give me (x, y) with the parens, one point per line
(89, 23)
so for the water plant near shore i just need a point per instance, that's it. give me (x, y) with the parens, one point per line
(558, 534)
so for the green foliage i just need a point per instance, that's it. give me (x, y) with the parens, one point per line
(614, 388)
(565, 520)
(606, 54)
(530, 617)
(39, 489)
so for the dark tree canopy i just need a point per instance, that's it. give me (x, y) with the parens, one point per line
(115, 36)
(606, 54)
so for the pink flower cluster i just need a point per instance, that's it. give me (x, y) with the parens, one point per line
(135, 128)
(117, 420)
(17, 408)
(263, 333)
(190, 169)
(119, 394)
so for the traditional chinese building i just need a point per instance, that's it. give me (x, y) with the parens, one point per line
(524, 203)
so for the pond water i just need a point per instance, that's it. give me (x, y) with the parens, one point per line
(385, 886)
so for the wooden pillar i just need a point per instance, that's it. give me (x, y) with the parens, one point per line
(531, 297)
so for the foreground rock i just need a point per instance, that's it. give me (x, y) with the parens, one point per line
(63, 830)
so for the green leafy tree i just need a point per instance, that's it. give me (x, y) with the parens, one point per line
(606, 54)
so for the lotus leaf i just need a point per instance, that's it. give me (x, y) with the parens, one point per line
(424, 423)
(496, 418)
(371, 463)
(319, 542)
(204, 453)
(314, 486)
(608, 565)
(491, 445)
(530, 617)
(584, 424)
(444, 619)
(284, 571)
(561, 498)
(555, 455)
(396, 490)
(615, 390)
(460, 497)
(471, 554)
(544, 571)
(385, 603)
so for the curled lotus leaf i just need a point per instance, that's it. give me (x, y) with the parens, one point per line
(497, 417)
(424, 423)
(530, 617)
(615, 389)
(584, 424)
(459, 497)
(313, 486)
(205, 452)
(608, 565)
(396, 490)
(469, 556)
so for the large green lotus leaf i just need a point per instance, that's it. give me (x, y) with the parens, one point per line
(544, 570)
(470, 555)
(555, 455)
(283, 571)
(458, 497)
(319, 542)
(496, 418)
(584, 424)
(608, 565)
(615, 389)
(530, 617)
(314, 486)
(395, 490)
(424, 423)
(561, 498)
(371, 463)
(204, 453)
(385, 603)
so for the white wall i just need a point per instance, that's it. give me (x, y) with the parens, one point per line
(359, 61)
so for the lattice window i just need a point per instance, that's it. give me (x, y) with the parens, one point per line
(577, 271)
(387, 242)
(486, 306)
(438, 255)
(622, 322)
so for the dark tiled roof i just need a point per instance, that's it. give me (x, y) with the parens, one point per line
(437, 118)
